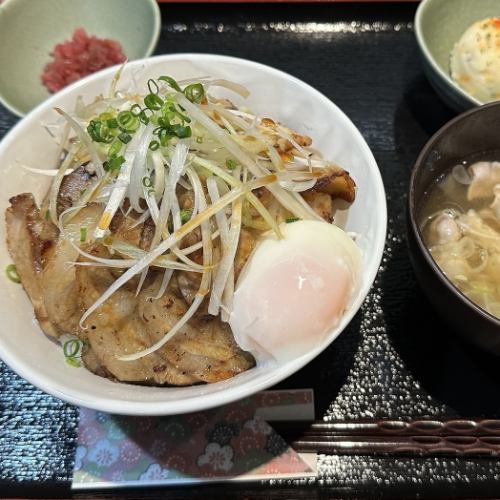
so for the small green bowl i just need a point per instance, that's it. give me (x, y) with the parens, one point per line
(29, 30)
(439, 24)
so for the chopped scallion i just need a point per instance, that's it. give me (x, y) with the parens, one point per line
(186, 215)
(112, 123)
(171, 82)
(136, 110)
(231, 164)
(113, 164)
(75, 363)
(72, 350)
(127, 121)
(153, 102)
(99, 131)
(195, 92)
(181, 131)
(72, 347)
(125, 138)
(11, 272)
(114, 149)
(153, 86)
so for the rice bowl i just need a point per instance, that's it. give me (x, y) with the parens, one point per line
(273, 93)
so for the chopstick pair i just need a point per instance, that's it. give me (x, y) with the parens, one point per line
(457, 437)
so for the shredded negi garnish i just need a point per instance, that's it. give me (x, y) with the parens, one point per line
(197, 169)
(11, 272)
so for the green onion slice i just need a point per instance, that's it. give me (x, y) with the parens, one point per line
(127, 121)
(136, 110)
(75, 363)
(99, 131)
(231, 164)
(113, 164)
(171, 82)
(112, 123)
(11, 272)
(195, 92)
(125, 138)
(153, 102)
(72, 350)
(186, 215)
(115, 148)
(153, 86)
(181, 131)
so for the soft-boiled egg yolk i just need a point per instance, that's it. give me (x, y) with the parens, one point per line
(475, 60)
(292, 291)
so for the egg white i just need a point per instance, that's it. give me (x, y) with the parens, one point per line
(293, 291)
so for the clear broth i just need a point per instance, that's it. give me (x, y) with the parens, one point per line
(482, 283)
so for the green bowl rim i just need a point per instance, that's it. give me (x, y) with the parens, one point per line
(435, 66)
(155, 35)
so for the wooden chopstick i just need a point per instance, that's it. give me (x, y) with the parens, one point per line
(457, 437)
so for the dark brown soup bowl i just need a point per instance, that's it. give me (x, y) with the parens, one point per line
(475, 132)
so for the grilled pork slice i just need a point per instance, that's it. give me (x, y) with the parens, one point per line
(189, 282)
(29, 237)
(116, 329)
(321, 203)
(42, 260)
(58, 278)
(72, 188)
(203, 351)
(247, 243)
(204, 348)
(337, 183)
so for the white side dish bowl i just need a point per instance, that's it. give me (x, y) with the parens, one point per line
(273, 93)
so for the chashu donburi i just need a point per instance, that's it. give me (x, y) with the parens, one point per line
(60, 248)
(203, 351)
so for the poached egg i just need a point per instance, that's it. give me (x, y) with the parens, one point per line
(293, 291)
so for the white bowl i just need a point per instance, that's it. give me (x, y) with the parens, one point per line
(273, 93)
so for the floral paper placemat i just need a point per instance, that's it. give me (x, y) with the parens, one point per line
(233, 442)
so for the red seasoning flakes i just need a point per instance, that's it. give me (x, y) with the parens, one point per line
(78, 57)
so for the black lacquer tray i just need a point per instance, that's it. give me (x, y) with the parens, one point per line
(396, 359)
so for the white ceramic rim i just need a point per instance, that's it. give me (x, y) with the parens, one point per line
(233, 393)
(435, 66)
(151, 47)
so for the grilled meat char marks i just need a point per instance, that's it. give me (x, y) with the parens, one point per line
(204, 348)
(72, 187)
(29, 237)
